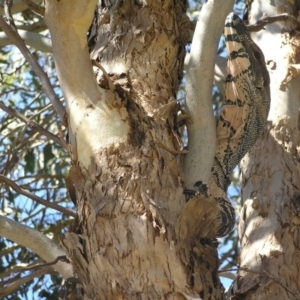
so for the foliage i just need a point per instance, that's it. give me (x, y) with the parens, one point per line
(32, 161)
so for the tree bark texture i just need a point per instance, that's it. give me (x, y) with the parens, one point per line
(269, 226)
(130, 195)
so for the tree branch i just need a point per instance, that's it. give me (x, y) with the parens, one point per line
(18, 6)
(227, 275)
(35, 126)
(260, 24)
(37, 199)
(35, 40)
(68, 22)
(34, 7)
(202, 128)
(68, 26)
(36, 266)
(36, 27)
(46, 85)
(37, 242)
(220, 66)
(18, 282)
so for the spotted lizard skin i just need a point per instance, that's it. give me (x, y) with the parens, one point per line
(245, 110)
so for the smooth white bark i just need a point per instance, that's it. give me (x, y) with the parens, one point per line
(37, 242)
(35, 40)
(18, 6)
(270, 174)
(202, 127)
(96, 117)
(279, 52)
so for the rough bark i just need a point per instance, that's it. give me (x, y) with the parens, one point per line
(269, 228)
(129, 187)
(269, 221)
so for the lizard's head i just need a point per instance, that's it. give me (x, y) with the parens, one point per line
(244, 56)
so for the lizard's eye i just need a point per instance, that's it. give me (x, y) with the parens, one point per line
(257, 55)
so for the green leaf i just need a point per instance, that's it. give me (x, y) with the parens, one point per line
(48, 155)
(30, 161)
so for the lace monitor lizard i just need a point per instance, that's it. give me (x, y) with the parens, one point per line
(245, 110)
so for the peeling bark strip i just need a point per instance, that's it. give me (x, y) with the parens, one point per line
(129, 193)
(269, 228)
(126, 153)
(245, 111)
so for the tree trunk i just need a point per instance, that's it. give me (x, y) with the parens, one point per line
(270, 218)
(127, 154)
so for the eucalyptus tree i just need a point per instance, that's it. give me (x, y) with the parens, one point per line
(112, 139)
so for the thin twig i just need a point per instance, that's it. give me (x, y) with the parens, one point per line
(62, 258)
(228, 270)
(12, 33)
(39, 200)
(7, 11)
(17, 283)
(35, 7)
(35, 126)
(228, 275)
(260, 24)
(8, 276)
(110, 83)
(262, 272)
